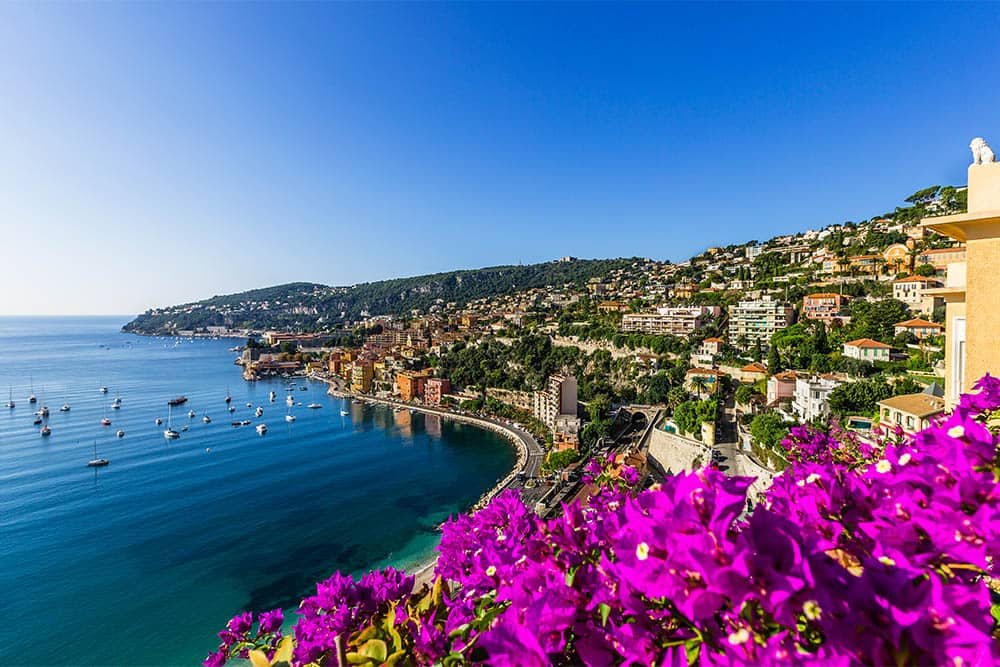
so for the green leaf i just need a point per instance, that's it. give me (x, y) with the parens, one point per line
(375, 649)
(605, 611)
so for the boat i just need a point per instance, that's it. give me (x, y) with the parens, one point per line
(271, 396)
(303, 388)
(105, 422)
(184, 428)
(170, 433)
(261, 429)
(158, 421)
(314, 406)
(117, 403)
(37, 421)
(289, 417)
(178, 400)
(249, 405)
(96, 462)
(31, 396)
(356, 401)
(104, 390)
(259, 411)
(207, 419)
(46, 430)
(229, 397)
(191, 414)
(64, 408)
(242, 422)
(232, 409)
(120, 433)
(344, 413)
(42, 411)
(10, 399)
(289, 400)
(289, 388)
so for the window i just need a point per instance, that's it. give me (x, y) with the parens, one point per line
(957, 356)
(909, 422)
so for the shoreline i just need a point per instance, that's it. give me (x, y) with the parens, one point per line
(423, 573)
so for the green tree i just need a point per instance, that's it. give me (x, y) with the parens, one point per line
(768, 429)
(773, 360)
(925, 270)
(859, 398)
(690, 415)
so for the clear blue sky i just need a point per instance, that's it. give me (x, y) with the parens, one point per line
(154, 154)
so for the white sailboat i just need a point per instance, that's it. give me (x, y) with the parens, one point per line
(31, 396)
(10, 399)
(170, 433)
(289, 417)
(96, 462)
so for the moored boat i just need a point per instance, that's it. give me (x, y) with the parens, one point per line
(120, 433)
(46, 430)
(261, 429)
(97, 462)
(207, 419)
(178, 400)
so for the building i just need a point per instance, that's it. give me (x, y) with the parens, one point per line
(361, 376)
(556, 405)
(909, 412)
(411, 384)
(897, 257)
(711, 346)
(871, 264)
(435, 389)
(752, 372)
(940, 258)
(812, 396)
(919, 328)
(754, 251)
(913, 291)
(971, 290)
(867, 349)
(752, 322)
(781, 387)
(680, 321)
(825, 306)
(612, 307)
(703, 380)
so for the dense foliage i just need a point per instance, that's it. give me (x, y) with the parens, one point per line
(304, 306)
(859, 554)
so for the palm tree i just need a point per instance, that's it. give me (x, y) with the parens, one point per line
(700, 384)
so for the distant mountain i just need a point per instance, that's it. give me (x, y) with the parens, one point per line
(311, 306)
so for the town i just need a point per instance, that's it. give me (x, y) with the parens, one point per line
(863, 323)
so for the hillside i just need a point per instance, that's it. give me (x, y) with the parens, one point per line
(310, 306)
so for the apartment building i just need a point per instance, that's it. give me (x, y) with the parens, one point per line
(913, 291)
(556, 405)
(971, 290)
(680, 321)
(940, 258)
(435, 388)
(411, 384)
(752, 322)
(811, 399)
(825, 306)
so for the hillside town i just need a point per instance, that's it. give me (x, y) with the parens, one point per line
(862, 323)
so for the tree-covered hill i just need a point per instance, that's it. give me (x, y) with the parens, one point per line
(309, 306)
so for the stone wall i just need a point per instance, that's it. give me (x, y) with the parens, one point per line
(676, 454)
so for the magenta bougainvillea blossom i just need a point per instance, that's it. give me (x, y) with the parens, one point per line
(859, 554)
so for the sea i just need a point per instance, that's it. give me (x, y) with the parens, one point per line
(143, 561)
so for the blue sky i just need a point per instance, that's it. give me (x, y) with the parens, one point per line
(155, 154)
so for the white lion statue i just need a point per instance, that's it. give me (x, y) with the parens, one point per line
(981, 151)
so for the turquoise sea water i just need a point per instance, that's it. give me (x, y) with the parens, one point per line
(141, 562)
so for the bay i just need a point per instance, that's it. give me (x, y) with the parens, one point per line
(141, 562)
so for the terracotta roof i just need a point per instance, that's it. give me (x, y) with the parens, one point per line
(938, 251)
(713, 340)
(786, 375)
(918, 323)
(915, 279)
(823, 295)
(868, 342)
(754, 368)
(920, 405)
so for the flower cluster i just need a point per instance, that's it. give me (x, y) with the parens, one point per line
(860, 554)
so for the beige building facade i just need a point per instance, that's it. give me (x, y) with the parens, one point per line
(972, 291)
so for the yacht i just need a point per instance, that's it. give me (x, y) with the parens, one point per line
(37, 421)
(289, 401)
(271, 396)
(303, 388)
(158, 421)
(289, 417)
(46, 430)
(232, 409)
(105, 422)
(31, 396)
(170, 433)
(261, 429)
(314, 406)
(104, 390)
(191, 414)
(249, 405)
(179, 400)
(184, 428)
(229, 397)
(207, 419)
(96, 462)
(120, 433)
(64, 408)
(10, 399)
(259, 411)
(42, 411)
(242, 422)
(344, 413)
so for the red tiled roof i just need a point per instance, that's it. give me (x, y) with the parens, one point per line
(868, 342)
(918, 323)
(754, 368)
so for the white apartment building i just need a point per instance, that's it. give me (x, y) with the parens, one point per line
(812, 396)
(757, 321)
(912, 291)
(556, 405)
(679, 321)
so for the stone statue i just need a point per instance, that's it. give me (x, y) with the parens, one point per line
(981, 151)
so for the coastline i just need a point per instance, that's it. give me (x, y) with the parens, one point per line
(523, 442)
